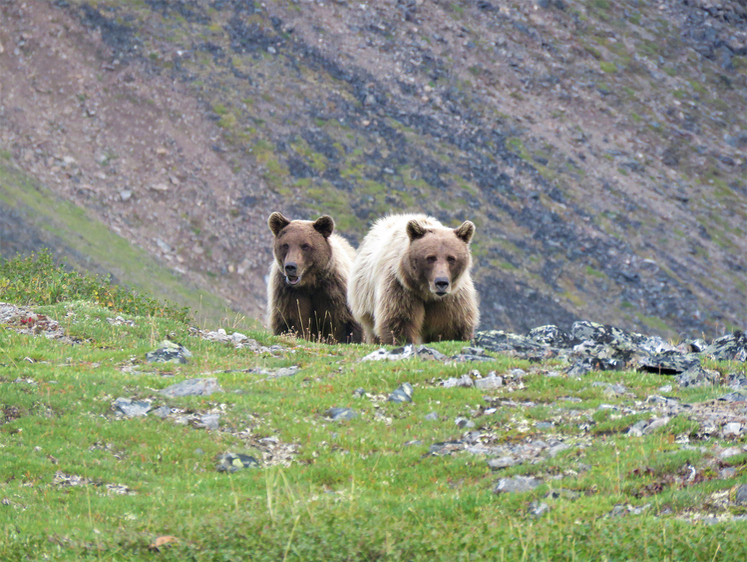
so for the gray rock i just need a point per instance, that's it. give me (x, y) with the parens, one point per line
(655, 424)
(339, 414)
(732, 428)
(162, 411)
(668, 362)
(403, 393)
(503, 462)
(464, 380)
(732, 347)
(287, 371)
(739, 396)
(490, 382)
(663, 400)
(636, 430)
(445, 448)
(516, 484)
(730, 452)
(698, 376)
(464, 423)
(131, 408)
(553, 336)
(433, 416)
(231, 462)
(210, 421)
(740, 494)
(192, 387)
(538, 509)
(406, 352)
(555, 449)
(169, 352)
(472, 354)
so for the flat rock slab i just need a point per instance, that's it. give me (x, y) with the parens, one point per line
(132, 408)
(192, 387)
(516, 484)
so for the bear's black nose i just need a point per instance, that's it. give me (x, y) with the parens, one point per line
(290, 268)
(442, 284)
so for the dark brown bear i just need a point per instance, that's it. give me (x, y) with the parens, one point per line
(307, 290)
(411, 281)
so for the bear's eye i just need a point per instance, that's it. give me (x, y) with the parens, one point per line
(431, 259)
(284, 247)
(305, 247)
(451, 259)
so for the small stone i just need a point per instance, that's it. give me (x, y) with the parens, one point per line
(210, 421)
(538, 509)
(433, 416)
(517, 484)
(232, 462)
(730, 452)
(740, 494)
(739, 396)
(490, 382)
(169, 352)
(503, 462)
(162, 411)
(403, 393)
(192, 387)
(287, 371)
(732, 428)
(636, 430)
(131, 408)
(463, 423)
(656, 424)
(555, 449)
(339, 414)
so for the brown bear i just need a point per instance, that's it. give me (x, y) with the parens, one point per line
(307, 289)
(411, 281)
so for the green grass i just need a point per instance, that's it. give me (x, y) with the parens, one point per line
(363, 489)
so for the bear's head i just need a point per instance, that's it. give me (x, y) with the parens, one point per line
(301, 248)
(438, 257)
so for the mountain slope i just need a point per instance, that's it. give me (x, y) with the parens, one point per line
(598, 146)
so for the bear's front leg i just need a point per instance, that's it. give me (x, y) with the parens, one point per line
(399, 316)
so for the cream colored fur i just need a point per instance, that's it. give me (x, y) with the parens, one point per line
(377, 282)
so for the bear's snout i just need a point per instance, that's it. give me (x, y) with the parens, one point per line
(291, 273)
(442, 286)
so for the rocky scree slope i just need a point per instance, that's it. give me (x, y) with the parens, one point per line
(598, 146)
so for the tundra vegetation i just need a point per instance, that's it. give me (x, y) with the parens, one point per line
(81, 481)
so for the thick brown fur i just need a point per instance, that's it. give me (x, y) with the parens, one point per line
(411, 282)
(307, 289)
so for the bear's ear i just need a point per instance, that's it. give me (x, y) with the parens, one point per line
(277, 222)
(324, 225)
(415, 230)
(465, 232)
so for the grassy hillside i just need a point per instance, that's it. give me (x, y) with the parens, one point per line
(399, 481)
(88, 245)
